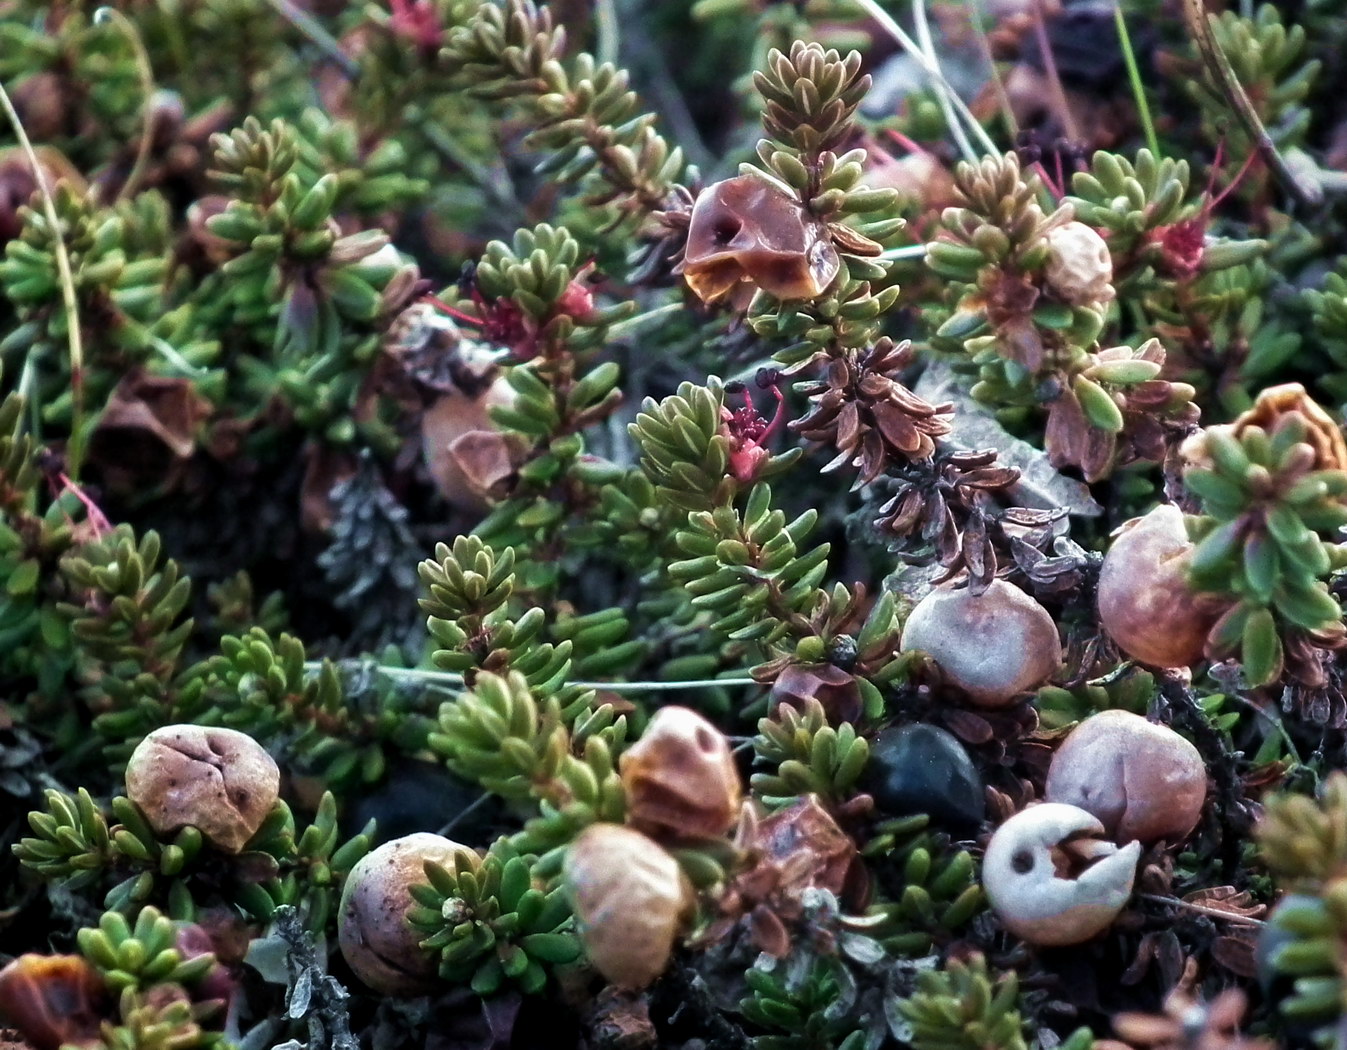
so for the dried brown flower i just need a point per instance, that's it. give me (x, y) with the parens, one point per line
(795, 849)
(748, 231)
(872, 418)
(1322, 432)
(1188, 1024)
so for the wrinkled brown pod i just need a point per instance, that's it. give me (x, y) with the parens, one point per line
(746, 229)
(630, 900)
(1144, 600)
(376, 940)
(680, 778)
(994, 646)
(1141, 780)
(53, 1000)
(220, 781)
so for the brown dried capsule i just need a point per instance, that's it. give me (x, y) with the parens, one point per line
(376, 940)
(220, 781)
(630, 900)
(680, 778)
(1142, 781)
(1145, 603)
(746, 229)
(994, 646)
(53, 1000)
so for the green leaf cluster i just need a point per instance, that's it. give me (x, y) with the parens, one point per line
(491, 922)
(963, 1007)
(1261, 541)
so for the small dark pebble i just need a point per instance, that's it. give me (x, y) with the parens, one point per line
(924, 769)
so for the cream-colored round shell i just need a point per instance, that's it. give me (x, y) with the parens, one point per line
(1027, 895)
(372, 929)
(629, 898)
(220, 781)
(994, 646)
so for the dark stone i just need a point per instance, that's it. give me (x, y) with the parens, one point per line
(422, 796)
(924, 769)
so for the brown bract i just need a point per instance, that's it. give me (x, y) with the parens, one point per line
(53, 1000)
(630, 900)
(1145, 603)
(795, 849)
(836, 691)
(873, 419)
(220, 781)
(376, 940)
(1141, 780)
(1322, 432)
(994, 646)
(680, 778)
(746, 230)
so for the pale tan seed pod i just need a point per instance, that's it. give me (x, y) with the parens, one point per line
(1145, 603)
(376, 940)
(1142, 781)
(680, 778)
(630, 900)
(1079, 268)
(994, 646)
(220, 781)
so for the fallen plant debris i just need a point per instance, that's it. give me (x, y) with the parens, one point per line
(719, 525)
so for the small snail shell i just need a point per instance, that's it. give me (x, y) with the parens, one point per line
(993, 646)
